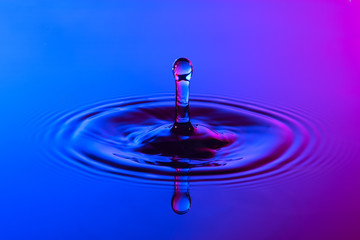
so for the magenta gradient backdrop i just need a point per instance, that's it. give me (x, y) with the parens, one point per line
(58, 55)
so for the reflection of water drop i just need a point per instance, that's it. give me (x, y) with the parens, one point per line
(181, 201)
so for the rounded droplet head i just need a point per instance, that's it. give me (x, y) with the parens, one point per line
(182, 69)
(181, 203)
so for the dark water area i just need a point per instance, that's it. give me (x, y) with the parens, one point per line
(86, 89)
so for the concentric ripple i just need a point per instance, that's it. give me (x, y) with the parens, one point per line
(107, 139)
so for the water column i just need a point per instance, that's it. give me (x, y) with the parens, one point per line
(182, 70)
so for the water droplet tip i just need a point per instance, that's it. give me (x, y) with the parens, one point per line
(182, 69)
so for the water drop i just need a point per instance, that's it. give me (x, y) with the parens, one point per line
(183, 140)
(182, 69)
